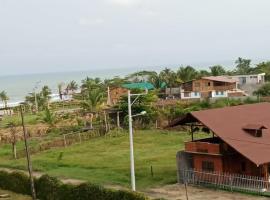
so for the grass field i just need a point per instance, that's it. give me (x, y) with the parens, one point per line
(14, 196)
(106, 160)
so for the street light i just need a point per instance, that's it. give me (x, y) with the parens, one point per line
(132, 168)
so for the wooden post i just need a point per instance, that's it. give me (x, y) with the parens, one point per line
(191, 129)
(29, 163)
(118, 120)
(80, 137)
(105, 120)
(186, 190)
(65, 142)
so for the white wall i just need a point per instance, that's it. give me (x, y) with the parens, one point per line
(219, 94)
(192, 95)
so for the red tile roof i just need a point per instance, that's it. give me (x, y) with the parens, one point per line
(220, 79)
(227, 123)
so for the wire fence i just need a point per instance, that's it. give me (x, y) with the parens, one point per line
(226, 181)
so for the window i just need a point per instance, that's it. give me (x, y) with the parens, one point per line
(186, 94)
(209, 84)
(243, 166)
(222, 92)
(195, 93)
(208, 166)
(217, 93)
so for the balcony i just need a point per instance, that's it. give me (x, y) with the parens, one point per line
(224, 88)
(203, 147)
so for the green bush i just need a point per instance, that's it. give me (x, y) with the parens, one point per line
(49, 188)
(16, 182)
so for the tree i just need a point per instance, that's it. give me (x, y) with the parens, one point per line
(217, 70)
(156, 80)
(72, 86)
(243, 66)
(187, 73)
(60, 90)
(263, 67)
(45, 94)
(263, 90)
(92, 99)
(169, 77)
(4, 98)
(49, 117)
(142, 103)
(203, 73)
(13, 139)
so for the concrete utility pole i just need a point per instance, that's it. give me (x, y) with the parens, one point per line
(29, 163)
(132, 167)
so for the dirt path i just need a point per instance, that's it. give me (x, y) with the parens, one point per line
(177, 192)
(170, 192)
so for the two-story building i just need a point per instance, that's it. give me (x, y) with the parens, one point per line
(210, 87)
(238, 142)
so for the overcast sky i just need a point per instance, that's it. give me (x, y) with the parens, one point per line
(58, 35)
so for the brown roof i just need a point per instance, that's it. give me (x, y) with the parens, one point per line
(227, 123)
(220, 79)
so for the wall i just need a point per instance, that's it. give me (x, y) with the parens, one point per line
(199, 158)
(191, 95)
(214, 94)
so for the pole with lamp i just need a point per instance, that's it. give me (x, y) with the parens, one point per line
(130, 116)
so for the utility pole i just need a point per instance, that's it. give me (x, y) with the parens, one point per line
(29, 164)
(132, 168)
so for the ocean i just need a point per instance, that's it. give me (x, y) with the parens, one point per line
(18, 86)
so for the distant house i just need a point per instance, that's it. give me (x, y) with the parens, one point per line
(115, 94)
(250, 79)
(210, 87)
(239, 141)
(250, 83)
(140, 86)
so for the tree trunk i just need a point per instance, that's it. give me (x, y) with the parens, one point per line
(91, 120)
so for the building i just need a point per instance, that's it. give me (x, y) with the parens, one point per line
(238, 142)
(210, 87)
(115, 94)
(249, 83)
(250, 79)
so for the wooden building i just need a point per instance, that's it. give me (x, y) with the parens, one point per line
(210, 87)
(238, 142)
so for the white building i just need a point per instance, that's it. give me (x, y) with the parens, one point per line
(251, 79)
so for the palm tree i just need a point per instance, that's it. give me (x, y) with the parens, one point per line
(72, 86)
(187, 73)
(49, 117)
(45, 93)
(217, 70)
(4, 98)
(156, 80)
(92, 99)
(60, 90)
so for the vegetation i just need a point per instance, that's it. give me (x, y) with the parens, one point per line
(4, 98)
(105, 160)
(49, 188)
(263, 90)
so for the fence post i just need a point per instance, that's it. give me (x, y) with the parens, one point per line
(80, 137)
(65, 142)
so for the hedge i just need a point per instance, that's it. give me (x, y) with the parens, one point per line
(50, 188)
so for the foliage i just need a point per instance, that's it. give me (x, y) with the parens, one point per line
(186, 73)
(217, 70)
(49, 188)
(142, 103)
(263, 90)
(4, 98)
(243, 66)
(91, 99)
(42, 98)
(49, 117)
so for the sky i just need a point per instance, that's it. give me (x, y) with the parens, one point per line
(39, 36)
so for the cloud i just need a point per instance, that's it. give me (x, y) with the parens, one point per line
(125, 2)
(85, 21)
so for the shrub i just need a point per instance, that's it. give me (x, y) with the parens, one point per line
(49, 188)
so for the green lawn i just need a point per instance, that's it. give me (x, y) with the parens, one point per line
(106, 160)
